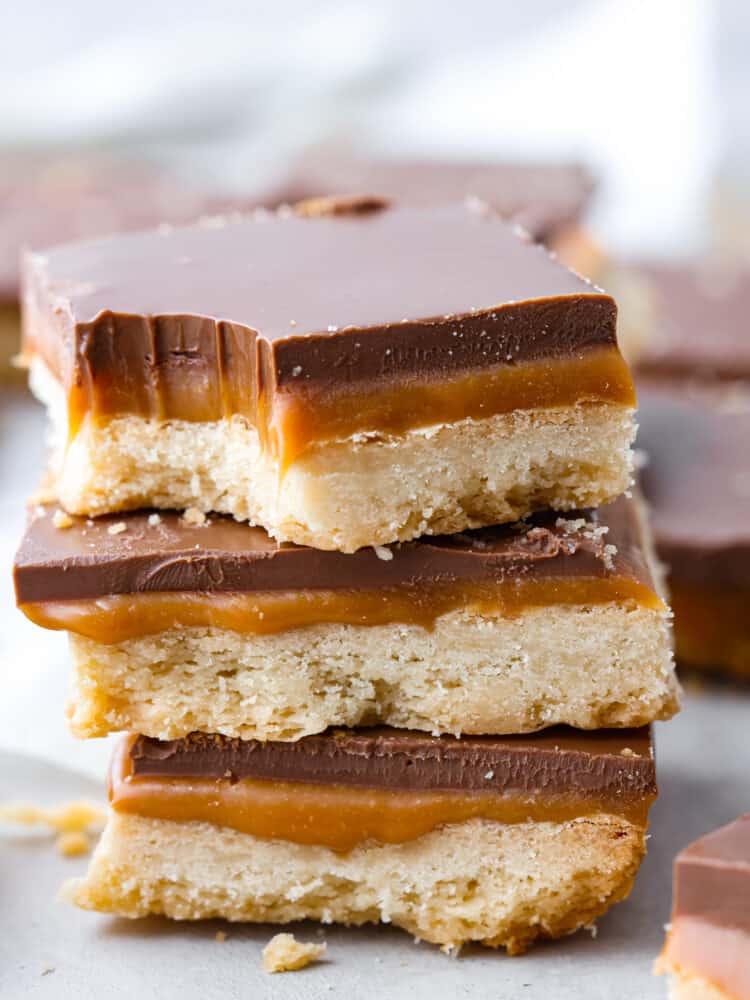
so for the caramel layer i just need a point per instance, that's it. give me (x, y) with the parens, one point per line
(712, 625)
(337, 816)
(293, 420)
(298, 420)
(120, 617)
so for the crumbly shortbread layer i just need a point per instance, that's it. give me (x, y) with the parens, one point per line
(369, 489)
(501, 885)
(590, 667)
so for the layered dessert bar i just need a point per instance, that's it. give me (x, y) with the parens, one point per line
(697, 480)
(45, 201)
(499, 841)
(547, 199)
(696, 321)
(177, 626)
(362, 376)
(707, 951)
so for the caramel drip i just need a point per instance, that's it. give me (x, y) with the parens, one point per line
(120, 617)
(290, 421)
(339, 816)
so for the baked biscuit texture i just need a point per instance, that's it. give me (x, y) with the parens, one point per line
(500, 885)
(368, 489)
(590, 667)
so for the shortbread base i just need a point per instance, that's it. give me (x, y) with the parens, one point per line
(501, 885)
(587, 666)
(369, 489)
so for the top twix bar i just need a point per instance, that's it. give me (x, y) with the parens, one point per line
(347, 374)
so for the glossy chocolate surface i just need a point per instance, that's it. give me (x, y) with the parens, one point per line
(697, 479)
(86, 560)
(233, 313)
(700, 315)
(559, 760)
(543, 198)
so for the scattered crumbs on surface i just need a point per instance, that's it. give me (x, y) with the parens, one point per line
(292, 322)
(117, 528)
(628, 752)
(72, 817)
(296, 371)
(592, 929)
(62, 520)
(194, 516)
(220, 936)
(284, 953)
(383, 552)
(47, 970)
(452, 950)
(154, 519)
(489, 776)
(73, 843)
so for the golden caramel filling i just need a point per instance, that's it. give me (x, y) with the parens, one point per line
(341, 816)
(120, 617)
(712, 625)
(293, 420)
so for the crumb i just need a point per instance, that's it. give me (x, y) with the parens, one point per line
(47, 969)
(452, 950)
(297, 371)
(592, 929)
(489, 776)
(72, 844)
(73, 817)
(627, 752)
(284, 953)
(383, 553)
(608, 557)
(39, 511)
(194, 516)
(154, 519)
(117, 528)
(220, 936)
(62, 520)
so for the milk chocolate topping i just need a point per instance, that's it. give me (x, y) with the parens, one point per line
(700, 317)
(697, 479)
(86, 560)
(543, 198)
(230, 314)
(712, 878)
(557, 761)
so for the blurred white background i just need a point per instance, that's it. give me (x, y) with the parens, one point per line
(646, 91)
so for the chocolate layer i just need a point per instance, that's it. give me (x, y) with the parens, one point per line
(87, 560)
(543, 198)
(709, 934)
(43, 202)
(283, 302)
(697, 480)
(699, 321)
(712, 878)
(557, 761)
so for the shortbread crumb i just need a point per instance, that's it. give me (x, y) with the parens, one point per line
(383, 553)
(73, 843)
(220, 936)
(194, 516)
(154, 520)
(117, 528)
(284, 953)
(62, 520)
(73, 817)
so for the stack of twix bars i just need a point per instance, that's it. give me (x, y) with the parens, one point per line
(344, 544)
